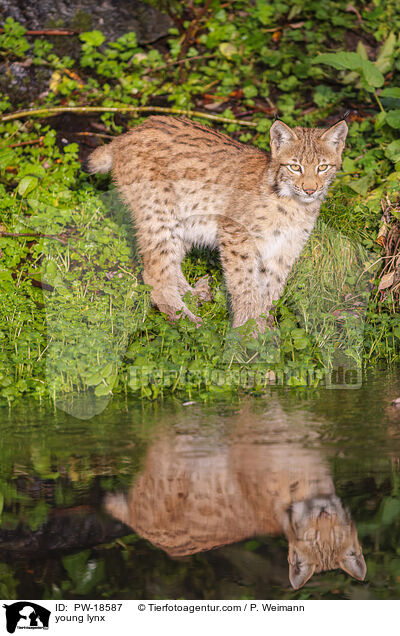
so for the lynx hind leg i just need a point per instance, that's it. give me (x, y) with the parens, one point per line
(152, 205)
(163, 273)
(202, 289)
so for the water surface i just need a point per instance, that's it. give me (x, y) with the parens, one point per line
(163, 500)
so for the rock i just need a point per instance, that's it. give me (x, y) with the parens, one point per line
(113, 17)
(21, 81)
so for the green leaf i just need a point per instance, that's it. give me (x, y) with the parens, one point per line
(73, 148)
(111, 380)
(394, 176)
(263, 125)
(265, 12)
(6, 158)
(29, 170)
(345, 60)
(75, 564)
(372, 74)
(393, 91)
(94, 379)
(106, 370)
(392, 151)
(341, 61)
(352, 77)
(227, 49)
(250, 91)
(384, 61)
(380, 120)
(362, 51)
(300, 343)
(94, 38)
(349, 165)
(393, 118)
(102, 389)
(362, 185)
(27, 184)
(51, 271)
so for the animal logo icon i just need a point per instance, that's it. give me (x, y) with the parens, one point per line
(26, 615)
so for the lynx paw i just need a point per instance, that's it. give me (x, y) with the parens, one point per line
(202, 289)
(174, 314)
(261, 326)
(265, 324)
(193, 318)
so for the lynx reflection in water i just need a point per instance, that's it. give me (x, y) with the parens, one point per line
(200, 489)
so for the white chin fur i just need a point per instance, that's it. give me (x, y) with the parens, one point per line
(305, 198)
(286, 191)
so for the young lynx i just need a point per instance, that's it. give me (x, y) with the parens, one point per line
(201, 488)
(189, 185)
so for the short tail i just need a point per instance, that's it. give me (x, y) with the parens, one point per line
(101, 159)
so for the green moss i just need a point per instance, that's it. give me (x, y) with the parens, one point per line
(82, 21)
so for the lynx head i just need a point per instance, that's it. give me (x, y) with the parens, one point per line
(321, 537)
(304, 161)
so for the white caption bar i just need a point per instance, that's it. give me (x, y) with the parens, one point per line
(182, 617)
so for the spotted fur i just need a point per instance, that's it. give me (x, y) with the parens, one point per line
(189, 185)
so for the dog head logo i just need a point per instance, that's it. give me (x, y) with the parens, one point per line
(26, 615)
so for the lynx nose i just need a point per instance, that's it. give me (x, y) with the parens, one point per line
(309, 191)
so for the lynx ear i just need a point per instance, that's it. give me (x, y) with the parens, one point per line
(354, 565)
(299, 571)
(280, 134)
(336, 135)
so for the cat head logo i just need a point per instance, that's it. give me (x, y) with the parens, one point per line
(26, 615)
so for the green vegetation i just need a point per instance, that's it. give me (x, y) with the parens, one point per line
(74, 315)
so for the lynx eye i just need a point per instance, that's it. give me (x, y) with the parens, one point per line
(295, 167)
(323, 167)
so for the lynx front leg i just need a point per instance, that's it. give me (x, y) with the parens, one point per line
(240, 267)
(272, 277)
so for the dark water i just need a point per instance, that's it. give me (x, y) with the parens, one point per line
(204, 502)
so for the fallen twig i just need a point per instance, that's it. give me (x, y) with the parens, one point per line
(34, 235)
(49, 32)
(91, 134)
(291, 25)
(82, 110)
(30, 142)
